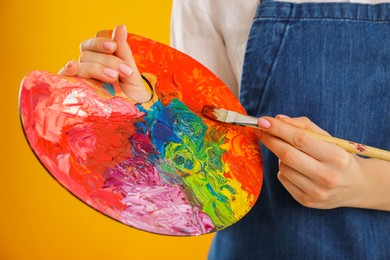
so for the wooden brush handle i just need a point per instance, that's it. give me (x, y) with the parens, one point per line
(349, 146)
(353, 147)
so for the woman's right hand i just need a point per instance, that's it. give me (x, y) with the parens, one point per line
(109, 60)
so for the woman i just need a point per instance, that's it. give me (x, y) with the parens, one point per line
(327, 61)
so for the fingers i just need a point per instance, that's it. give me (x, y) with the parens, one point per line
(293, 189)
(301, 188)
(304, 198)
(70, 69)
(289, 155)
(311, 193)
(299, 150)
(96, 61)
(302, 122)
(110, 60)
(97, 71)
(293, 140)
(123, 51)
(132, 85)
(107, 61)
(99, 44)
(89, 70)
(294, 176)
(316, 173)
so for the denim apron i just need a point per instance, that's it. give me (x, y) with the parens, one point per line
(331, 63)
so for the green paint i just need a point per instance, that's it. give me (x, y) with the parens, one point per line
(109, 87)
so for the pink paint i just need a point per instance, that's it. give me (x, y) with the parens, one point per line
(359, 147)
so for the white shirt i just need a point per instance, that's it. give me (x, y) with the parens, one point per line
(215, 32)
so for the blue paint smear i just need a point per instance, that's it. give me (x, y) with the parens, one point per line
(162, 125)
(164, 133)
(109, 87)
(219, 196)
(141, 127)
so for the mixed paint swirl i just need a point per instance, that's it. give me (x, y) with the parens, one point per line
(160, 166)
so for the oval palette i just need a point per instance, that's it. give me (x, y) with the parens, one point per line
(159, 166)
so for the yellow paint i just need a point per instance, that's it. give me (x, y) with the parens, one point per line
(240, 205)
(39, 219)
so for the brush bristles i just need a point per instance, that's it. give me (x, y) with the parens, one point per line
(210, 112)
(227, 116)
(220, 114)
(214, 113)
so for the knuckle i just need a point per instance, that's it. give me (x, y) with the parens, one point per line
(282, 166)
(330, 181)
(306, 201)
(304, 120)
(341, 159)
(85, 45)
(84, 56)
(92, 45)
(82, 46)
(91, 70)
(287, 156)
(96, 44)
(300, 139)
(320, 195)
(314, 200)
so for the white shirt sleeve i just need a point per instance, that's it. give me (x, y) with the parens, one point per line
(194, 33)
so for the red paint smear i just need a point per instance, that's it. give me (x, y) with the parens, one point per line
(98, 143)
(104, 140)
(32, 95)
(167, 91)
(208, 111)
(244, 158)
(108, 201)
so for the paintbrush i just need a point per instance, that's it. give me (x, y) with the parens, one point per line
(231, 117)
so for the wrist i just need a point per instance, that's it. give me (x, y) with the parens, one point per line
(372, 179)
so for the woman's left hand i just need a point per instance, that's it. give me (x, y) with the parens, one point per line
(316, 173)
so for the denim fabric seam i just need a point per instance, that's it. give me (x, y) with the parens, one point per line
(272, 64)
(287, 19)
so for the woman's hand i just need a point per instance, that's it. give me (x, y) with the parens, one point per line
(109, 60)
(322, 175)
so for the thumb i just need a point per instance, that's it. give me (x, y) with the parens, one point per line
(123, 51)
(129, 78)
(70, 69)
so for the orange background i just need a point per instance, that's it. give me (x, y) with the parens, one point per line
(38, 218)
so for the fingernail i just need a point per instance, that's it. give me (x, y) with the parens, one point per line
(69, 65)
(125, 69)
(109, 46)
(263, 123)
(110, 72)
(282, 116)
